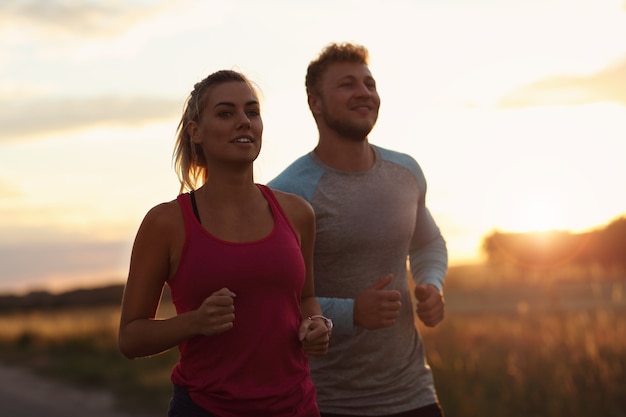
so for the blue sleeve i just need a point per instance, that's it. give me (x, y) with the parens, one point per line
(428, 253)
(341, 312)
(300, 178)
(429, 263)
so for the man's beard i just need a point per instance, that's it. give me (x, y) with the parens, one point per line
(350, 131)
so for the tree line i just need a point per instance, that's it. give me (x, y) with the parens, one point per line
(604, 247)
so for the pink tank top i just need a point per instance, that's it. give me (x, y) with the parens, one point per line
(258, 367)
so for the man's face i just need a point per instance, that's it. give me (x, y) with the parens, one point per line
(347, 100)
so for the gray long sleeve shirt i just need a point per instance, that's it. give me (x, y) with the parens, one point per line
(367, 225)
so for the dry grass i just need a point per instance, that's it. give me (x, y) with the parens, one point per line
(532, 344)
(527, 364)
(529, 345)
(79, 346)
(60, 324)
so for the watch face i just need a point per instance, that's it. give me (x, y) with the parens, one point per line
(327, 321)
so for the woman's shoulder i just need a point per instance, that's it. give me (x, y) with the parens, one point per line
(164, 215)
(296, 208)
(292, 201)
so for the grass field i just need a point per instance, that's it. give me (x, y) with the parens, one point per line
(533, 345)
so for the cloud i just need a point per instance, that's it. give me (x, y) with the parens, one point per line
(71, 16)
(32, 118)
(607, 85)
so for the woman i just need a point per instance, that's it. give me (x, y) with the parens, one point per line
(237, 257)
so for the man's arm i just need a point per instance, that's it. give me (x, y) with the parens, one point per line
(341, 312)
(428, 253)
(428, 256)
(374, 308)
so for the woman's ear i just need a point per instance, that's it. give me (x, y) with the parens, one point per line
(193, 132)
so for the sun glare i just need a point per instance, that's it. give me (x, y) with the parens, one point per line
(540, 213)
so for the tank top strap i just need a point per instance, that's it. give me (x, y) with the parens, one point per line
(280, 216)
(185, 204)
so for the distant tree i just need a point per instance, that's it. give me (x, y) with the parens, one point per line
(547, 250)
(612, 245)
(534, 250)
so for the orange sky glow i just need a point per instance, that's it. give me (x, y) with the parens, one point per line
(514, 110)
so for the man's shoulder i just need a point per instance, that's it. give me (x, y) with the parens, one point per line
(300, 177)
(402, 159)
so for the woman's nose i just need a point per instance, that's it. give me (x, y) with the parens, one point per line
(244, 122)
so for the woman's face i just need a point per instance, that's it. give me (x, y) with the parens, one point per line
(230, 126)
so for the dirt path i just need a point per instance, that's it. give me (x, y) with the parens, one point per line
(23, 394)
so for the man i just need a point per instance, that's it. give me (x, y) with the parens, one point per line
(371, 214)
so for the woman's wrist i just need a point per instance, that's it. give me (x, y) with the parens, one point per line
(328, 322)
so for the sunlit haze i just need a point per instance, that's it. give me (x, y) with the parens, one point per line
(515, 111)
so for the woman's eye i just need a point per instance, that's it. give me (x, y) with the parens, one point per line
(254, 113)
(224, 114)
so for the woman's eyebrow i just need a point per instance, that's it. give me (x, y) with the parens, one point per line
(231, 104)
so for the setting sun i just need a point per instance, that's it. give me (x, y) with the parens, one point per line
(516, 131)
(540, 213)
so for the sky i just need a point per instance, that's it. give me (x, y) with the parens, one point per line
(515, 110)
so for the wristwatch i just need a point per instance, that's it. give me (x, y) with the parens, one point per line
(327, 321)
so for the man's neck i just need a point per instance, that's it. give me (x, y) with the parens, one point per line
(346, 155)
